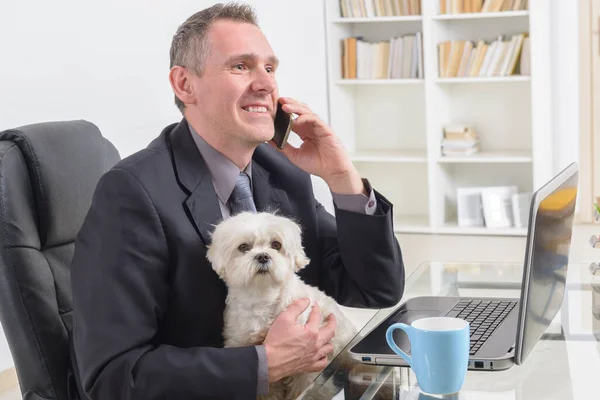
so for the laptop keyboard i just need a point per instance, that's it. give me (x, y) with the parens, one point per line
(484, 317)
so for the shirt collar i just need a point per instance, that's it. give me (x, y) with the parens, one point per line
(223, 172)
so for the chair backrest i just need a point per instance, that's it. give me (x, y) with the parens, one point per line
(48, 173)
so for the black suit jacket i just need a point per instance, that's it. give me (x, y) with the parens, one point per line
(148, 307)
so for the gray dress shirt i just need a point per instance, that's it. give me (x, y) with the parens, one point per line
(224, 174)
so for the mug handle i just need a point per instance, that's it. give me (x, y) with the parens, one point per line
(390, 339)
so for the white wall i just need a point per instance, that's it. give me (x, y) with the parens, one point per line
(107, 62)
(565, 82)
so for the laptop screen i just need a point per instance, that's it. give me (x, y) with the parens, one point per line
(548, 248)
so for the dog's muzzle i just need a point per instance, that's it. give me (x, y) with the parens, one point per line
(264, 260)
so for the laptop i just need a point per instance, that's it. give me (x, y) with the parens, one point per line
(504, 331)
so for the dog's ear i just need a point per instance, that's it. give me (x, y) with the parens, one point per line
(300, 260)
(213, 258)
(294, 241)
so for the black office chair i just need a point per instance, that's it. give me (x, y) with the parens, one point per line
(48, 173)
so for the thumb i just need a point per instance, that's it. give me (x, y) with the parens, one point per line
(291, 152)
(298, 307)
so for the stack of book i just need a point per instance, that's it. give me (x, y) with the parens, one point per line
(460, 140)
(379, 8)
(398, 58)
(473, 6)
(464, 58)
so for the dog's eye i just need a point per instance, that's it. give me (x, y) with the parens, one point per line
(244, 247)
(276, 245)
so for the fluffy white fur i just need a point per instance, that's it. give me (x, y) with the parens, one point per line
(259, 292)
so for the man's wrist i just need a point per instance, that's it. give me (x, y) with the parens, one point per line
(272, 372)
(348, 182)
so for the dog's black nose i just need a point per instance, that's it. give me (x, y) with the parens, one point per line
(263, 258)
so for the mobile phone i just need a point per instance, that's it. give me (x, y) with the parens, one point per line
(283, 126)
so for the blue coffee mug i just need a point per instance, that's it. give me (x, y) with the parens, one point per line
(439, 352)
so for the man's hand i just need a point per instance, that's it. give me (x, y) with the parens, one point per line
(292, 348)
(321, 153)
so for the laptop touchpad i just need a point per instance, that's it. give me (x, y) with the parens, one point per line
(375, 342)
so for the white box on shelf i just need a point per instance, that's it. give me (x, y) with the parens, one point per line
(497, 207)
(469, 208)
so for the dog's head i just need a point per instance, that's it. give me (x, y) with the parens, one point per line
(252, 249)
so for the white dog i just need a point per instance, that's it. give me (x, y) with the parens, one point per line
(258, 255)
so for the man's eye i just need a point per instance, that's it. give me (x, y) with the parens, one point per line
(240, 67)
(244, 247)
(276, 245)
(270, 70)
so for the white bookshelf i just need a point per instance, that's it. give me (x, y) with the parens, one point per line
(492, 79)
(393, 127)
(386, 156)
(484, 15)
(407, 18)
(386, 82)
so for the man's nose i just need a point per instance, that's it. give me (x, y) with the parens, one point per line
(262, 258)
(264, 82)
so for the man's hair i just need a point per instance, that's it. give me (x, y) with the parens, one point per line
(190, 47)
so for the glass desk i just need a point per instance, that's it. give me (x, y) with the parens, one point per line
(565, 364)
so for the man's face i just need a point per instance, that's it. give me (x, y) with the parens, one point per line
(237, 92)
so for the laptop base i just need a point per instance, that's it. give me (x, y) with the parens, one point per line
(497, 353)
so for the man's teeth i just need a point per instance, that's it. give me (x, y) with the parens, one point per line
(256, 109)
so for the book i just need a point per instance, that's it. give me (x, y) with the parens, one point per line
(397, 58)
(500, 57)
(475, 6)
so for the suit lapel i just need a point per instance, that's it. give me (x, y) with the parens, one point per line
(202, 207)
(268, 196)
(202, 204)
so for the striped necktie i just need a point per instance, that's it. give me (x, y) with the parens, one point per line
(241, 198)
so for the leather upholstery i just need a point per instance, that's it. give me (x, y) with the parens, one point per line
(48, 173)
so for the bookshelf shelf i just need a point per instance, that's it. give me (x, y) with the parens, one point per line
(405, 118)
(412, 224)
(498, 157)
(352, 82)
(453, 228)
(405, 18)
(492, 79)
(386, 156)
(483, 15)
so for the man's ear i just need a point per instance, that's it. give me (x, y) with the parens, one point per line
(181, 83)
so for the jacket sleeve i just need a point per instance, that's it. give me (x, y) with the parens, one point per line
(361, 258)
(120, 288)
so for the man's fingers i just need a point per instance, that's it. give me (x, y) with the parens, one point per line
(324, 351)
(290, 100)
(327, 332)
(288, 150)
(294, 106)
(319, 365)
(298, 307)
(297, 108)
(314, 319)
(310, 120)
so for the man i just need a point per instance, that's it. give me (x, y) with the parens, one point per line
(148, 308)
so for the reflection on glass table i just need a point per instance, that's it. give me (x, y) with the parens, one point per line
(564, 364)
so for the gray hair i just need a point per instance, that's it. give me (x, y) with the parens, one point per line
(189, 48)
